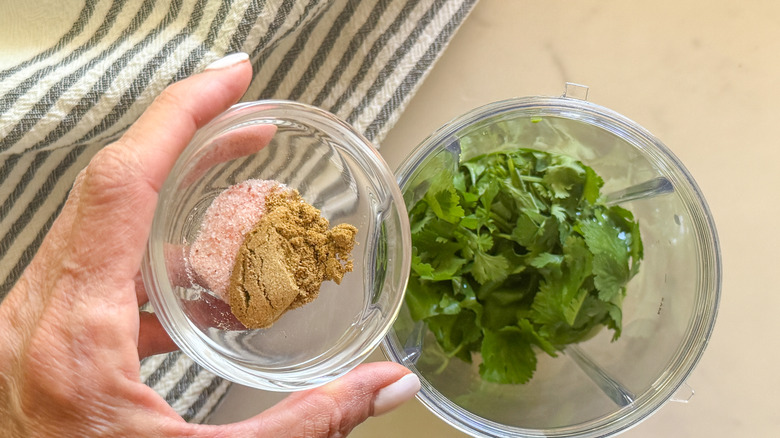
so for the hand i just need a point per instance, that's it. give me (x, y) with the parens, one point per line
(71, 334)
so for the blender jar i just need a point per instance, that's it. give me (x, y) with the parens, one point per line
(597, 387)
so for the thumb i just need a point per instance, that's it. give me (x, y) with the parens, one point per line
(334, 409)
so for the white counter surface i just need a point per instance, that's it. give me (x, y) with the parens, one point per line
(704, 77)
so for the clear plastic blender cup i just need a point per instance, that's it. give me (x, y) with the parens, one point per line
(597, 387)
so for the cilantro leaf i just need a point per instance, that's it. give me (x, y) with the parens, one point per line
(610, 261)
(563, 178)
(423, 298)
(445, 205)
(593, 184)
(610, 276)
(489, 267)
(545, 260)
(537, 339)
(457, 334)
(507, 356)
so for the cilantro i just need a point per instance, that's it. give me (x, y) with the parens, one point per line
(507, 356)
(488, 267)
(445, 205)
(515, 253)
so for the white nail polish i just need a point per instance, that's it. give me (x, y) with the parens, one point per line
(394, 394)
(228, 61)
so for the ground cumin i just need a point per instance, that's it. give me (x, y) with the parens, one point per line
(285, 258)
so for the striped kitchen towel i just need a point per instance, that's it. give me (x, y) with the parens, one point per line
(74, 76)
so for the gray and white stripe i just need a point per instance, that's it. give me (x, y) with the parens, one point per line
(361, 60)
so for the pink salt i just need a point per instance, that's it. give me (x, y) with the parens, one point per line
(228, 219)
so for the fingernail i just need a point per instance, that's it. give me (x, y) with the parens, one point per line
(228, 61)
(394, 394)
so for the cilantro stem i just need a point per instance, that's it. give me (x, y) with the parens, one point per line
(502, 223)
(512, 174)
(529, 178)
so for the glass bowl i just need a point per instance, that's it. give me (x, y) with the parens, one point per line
(597, 387)
(337, 171)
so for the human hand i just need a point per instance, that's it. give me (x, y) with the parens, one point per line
(71, 334)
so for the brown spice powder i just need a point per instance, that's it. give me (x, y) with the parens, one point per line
(285, 258)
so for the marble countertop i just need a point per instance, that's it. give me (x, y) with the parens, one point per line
(704, 78)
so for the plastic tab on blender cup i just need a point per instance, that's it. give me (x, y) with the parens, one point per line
(575, 91)
(684, 394)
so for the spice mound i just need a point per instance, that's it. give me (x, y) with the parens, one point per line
(284, 259)
(227, 220)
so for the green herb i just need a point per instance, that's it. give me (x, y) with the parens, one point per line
(515, 253)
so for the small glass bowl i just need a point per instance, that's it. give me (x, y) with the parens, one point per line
(337, 171)
(596, 388)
